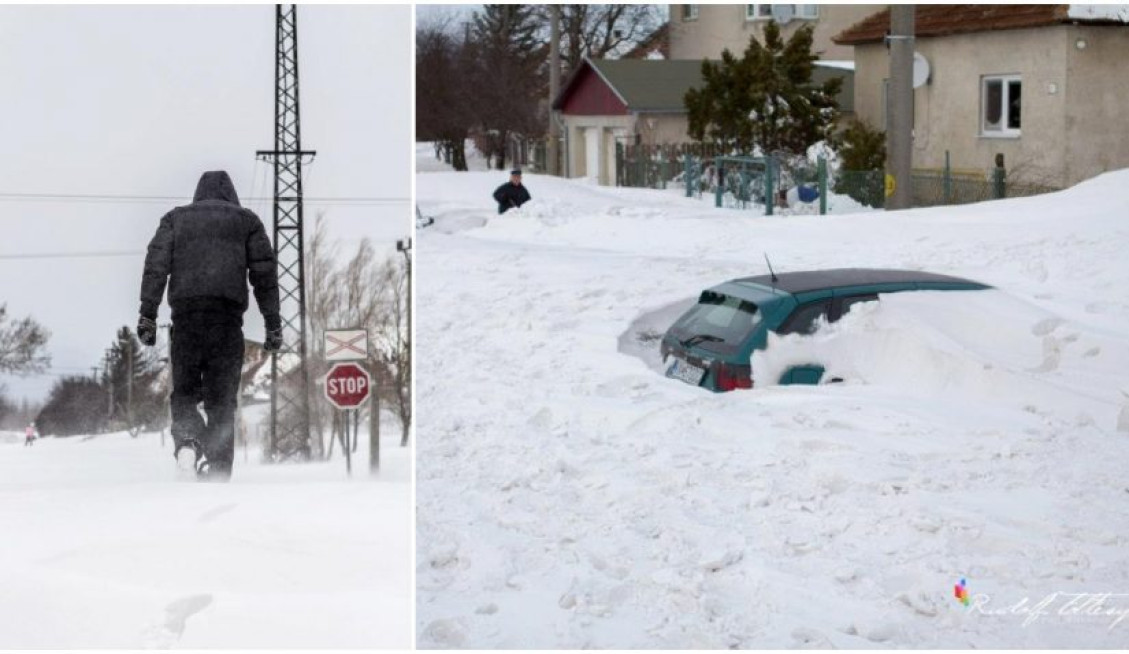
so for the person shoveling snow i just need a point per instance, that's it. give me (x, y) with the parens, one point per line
(206, 251)
(512, 194)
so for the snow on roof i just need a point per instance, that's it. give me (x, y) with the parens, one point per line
(841, 64)
(1099, 12)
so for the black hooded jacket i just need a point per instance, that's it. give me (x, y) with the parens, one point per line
(206, 251)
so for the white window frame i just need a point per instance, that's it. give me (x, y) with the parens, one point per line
(689, 12)
(1005, 99)
(753, 12)
(813, 9)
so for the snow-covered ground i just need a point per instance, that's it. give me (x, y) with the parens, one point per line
(569, 495)
(101, 547)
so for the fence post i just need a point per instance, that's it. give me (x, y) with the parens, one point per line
(769, 190)
(948, 180)
(720, 171)
(619, 164)
(641, 156)
(662, 168)
(687, 169)
(999, 178)
(822, 186)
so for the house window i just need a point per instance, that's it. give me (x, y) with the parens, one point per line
(764, 12)
(689, 12)
(1000, 105)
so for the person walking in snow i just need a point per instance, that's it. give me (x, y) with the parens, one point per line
(206, 251)
(512, 194)
(29, 435)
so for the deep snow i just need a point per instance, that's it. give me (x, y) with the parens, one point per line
(101, 547)
(569, 495)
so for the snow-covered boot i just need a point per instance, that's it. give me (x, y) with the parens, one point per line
(215, 471)
(188, 460)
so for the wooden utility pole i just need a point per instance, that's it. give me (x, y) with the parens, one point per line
(899, 110)
(554, 151)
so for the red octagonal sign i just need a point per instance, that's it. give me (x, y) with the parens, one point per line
(347, 385)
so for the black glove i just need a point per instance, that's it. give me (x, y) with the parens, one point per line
(147, 331)
(274, 340)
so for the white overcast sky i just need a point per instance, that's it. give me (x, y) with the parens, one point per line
(136, 100)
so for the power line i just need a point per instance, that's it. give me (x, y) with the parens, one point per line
(164, 199)
(74, 255)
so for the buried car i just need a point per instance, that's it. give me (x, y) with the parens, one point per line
(712, 344)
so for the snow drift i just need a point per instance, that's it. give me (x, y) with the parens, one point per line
(570, 496)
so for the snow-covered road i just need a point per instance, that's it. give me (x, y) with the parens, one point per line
(569, 495)
(100, 547)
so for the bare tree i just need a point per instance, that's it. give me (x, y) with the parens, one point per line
(601, 31)
(394, 340)
(361, 292)
(323, 298)
(22, 345)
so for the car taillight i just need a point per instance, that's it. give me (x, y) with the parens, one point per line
(730, 378)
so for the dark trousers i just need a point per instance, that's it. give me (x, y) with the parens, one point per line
(207, 359)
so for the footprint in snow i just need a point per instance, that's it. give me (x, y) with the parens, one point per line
(168, 632)
(212, 514)
(808, 638)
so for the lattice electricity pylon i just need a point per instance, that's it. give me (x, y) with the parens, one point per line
(290, 409)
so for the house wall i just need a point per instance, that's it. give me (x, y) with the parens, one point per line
(652, 128)
(610, 128)
(724, 26)
(662, 128)
(947, 110)
(1097, 101)
(590, 96)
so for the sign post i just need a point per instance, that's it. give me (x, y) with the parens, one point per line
(347, 384)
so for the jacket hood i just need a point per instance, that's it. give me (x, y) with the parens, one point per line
(216, 185)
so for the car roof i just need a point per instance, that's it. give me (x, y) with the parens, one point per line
(817, 280)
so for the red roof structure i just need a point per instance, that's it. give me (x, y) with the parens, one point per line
(943, 20)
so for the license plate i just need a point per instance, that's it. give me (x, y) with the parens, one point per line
(686, 371)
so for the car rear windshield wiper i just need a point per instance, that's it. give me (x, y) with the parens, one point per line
(698, 338)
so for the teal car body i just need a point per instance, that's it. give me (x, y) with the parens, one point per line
(712, 344)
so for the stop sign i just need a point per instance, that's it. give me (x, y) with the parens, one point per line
(347, 385)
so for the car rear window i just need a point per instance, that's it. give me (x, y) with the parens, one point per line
(717, 315)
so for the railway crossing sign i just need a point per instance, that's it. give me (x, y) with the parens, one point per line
(346, 344)
(347, 385)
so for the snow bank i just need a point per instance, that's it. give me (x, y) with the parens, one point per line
(976, 344)
(571, 496)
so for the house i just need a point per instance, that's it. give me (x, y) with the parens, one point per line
(703, 31)
(607, 101)
(636, 101)
(1046, 86)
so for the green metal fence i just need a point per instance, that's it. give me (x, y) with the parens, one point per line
(750, 182)
(745, 181)
(938, 187)
(657, 166)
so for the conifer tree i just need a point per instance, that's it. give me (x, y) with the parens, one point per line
(508, 77)
(765, 101)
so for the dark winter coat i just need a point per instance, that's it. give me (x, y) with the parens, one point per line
(206, 251)
(510, 195)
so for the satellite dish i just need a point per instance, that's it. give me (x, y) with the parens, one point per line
(920, 70)
(783, 14)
